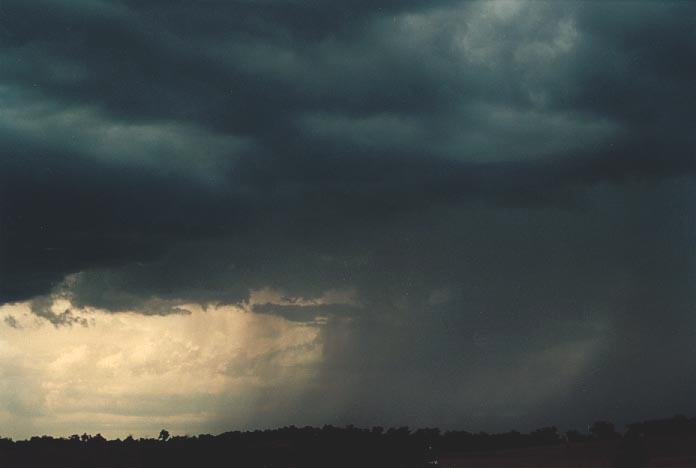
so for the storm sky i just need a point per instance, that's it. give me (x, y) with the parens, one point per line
(220, 215)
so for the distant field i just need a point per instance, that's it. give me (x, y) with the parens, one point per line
(675, 452)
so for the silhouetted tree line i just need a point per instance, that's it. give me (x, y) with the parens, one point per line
(319, 447)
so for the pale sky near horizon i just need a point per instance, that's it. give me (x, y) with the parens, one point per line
(126, 373)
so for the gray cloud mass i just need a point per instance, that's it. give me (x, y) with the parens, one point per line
(508, 187)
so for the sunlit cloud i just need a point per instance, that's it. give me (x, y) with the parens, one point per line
(131, 372)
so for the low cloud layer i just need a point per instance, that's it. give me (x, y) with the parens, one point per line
(484, 210)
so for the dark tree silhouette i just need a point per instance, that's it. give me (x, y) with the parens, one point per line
(346, 447)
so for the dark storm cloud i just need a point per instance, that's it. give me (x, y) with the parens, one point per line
(41, 306)
(306, 313)
(506, 185)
